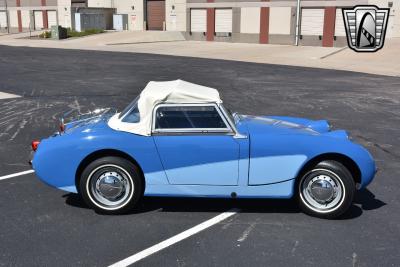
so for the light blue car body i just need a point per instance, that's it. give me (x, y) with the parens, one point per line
(264, 163)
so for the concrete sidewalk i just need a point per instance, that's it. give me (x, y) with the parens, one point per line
(383, 62)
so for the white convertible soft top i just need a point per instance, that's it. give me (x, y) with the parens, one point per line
(154, 93)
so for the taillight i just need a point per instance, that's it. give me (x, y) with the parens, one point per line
(35, 145)
(62, 125)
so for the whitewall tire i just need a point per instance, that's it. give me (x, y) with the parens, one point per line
(327, 190)
(111, 185)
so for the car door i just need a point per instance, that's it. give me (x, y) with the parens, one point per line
(195, 144)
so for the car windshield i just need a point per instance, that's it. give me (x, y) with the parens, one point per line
(131, 112)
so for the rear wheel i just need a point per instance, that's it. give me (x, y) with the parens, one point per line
(326, 191)
(111, 185)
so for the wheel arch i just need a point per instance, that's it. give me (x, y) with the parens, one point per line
(105, 153)
(349, 163)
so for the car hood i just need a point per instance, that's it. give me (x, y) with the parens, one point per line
(288, 125)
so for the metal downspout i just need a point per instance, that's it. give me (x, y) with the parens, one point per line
(297, 23)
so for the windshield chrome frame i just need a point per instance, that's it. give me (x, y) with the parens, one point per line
(232, 124)
(127, 112)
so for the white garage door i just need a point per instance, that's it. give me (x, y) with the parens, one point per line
(223, 20)
(13, 19)
(38, 20)
(25, 18)
(52, 18)
(339, 23)
(312, 21)
(3, 20)
(198, 20)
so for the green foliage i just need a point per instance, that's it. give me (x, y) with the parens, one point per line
(45, 34)
(72, 33)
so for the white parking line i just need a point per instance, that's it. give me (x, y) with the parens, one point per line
(175, 239)
(16, 174)
(7, 95)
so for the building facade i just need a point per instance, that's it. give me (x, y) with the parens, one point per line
(250, 21)
(30, 15)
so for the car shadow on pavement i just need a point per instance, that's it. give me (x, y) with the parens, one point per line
(367, 200)
(191, 204)
(364, 200)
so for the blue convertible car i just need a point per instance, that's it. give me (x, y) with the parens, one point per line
(177, 139)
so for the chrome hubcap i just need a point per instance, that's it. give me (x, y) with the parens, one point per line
(323, 192)
(110, 186)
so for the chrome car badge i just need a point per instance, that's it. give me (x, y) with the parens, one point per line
(365, 27)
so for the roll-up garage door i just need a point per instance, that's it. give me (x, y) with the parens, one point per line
(38, 20)
(13, 18)
(198, 20)
(339, 24)
(223, 20)
(52, 18)
(312, 21)
(3, 20)
(25, 18)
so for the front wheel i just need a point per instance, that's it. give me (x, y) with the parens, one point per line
(111, 185)
(327, 190)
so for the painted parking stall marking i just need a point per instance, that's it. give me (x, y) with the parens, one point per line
(7, 95)
(16, 174)
(175, 239)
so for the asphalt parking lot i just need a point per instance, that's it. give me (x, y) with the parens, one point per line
(41, 226)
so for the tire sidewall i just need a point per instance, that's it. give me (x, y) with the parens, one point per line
(132, 174)
(346, 181)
